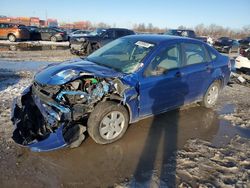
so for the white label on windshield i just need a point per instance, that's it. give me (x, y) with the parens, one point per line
(143, 44)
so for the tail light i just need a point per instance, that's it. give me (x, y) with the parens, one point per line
(61, 33)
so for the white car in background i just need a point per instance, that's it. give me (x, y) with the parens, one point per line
(243, 63)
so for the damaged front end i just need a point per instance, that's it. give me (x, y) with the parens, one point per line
(48, 117)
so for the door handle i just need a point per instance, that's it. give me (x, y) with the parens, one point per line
(208, 67)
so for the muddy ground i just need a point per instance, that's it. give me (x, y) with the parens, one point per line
(189, 147)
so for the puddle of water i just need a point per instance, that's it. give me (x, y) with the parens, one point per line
(30, 47)
(226, 132)
(149, 143)
(227, 109)
(23, 65)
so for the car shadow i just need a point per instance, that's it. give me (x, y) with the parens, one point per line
(160, 146)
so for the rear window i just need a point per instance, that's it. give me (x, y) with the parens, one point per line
(194, 53)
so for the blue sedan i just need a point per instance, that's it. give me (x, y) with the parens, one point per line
(127, 80)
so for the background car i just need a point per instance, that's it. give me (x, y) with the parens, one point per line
(181, 32)
(96, 39)
(227, 45)
(245, 42)
(51, 34)
(13, 32)
(206, 39)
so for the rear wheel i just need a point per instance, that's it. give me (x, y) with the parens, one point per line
(211, 95)
(12, 38)
(108, 122)
(53, 39)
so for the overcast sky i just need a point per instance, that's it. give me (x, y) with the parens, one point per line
(161, 13)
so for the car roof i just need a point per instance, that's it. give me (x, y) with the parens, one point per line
(180, 30)
(114, 28)
(156, 39)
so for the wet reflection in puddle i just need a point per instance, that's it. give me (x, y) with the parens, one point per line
(102, 165)
(227, 109)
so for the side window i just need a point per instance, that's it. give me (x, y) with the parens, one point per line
(120, 33)
(5, 26)
(109, 34)
(167, 59)
(193, 53)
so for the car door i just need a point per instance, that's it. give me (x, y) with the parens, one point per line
(42, 32)
(197, 70)
(36, 34)
(2, 30)
(45, 34)
(162, 86)
(50, 32)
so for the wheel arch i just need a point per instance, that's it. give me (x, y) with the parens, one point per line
(11, 34)
(120, 101)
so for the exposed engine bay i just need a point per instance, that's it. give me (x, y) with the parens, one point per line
(44, 109)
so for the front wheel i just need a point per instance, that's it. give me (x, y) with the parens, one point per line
(108, 122)
(211, 95)
(12, 38)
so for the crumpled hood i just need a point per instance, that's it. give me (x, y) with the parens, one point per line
(48, 75)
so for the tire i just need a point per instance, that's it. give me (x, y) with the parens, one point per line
(12, 38)
(89, 48)
(53, 39)
(211, 96)
(101, 126)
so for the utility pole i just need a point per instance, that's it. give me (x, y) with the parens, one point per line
(46, 17)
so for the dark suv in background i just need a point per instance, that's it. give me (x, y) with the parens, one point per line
(245, 41)
(226, 45)
(85, 45)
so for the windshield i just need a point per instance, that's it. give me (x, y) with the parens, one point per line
(97, 32)
(123, 55)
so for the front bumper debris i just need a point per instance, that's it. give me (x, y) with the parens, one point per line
(44, 126)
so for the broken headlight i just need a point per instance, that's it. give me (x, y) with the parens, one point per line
(67, 75)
